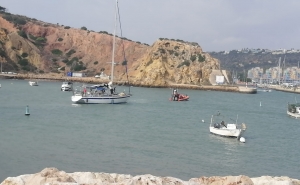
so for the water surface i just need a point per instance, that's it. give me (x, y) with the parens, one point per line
(148, 135)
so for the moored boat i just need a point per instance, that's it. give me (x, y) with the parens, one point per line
(178, 97)
(98, 94)
(293, 110)
(220, 127)
(33, 83)
(66, 86)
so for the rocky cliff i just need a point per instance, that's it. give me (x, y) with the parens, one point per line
(170, 62)
(29, 45)
(52, 176)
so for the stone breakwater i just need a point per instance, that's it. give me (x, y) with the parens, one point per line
(53, 176)
(59, 77)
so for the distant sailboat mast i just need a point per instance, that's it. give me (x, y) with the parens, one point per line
(298, 73)
(279, 69)
(283, 67)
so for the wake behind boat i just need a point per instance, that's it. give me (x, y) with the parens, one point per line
(293, 110)
(220, 127)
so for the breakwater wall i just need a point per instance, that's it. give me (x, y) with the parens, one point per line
(53, 176)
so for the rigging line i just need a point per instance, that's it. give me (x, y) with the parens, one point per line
(123, 48)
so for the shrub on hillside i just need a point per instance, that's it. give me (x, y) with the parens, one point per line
(20, 21)
(22, 34)
(149, 62)
(186, 63)
(72, 51)
(41, 39)
(25, 68)
(83, 28)
(2, 53)
(56, 52)
(7, 17)
(124, 63)
(104, 32)
(201, 58)
(193, 58)
(24, 55)
(23, 62)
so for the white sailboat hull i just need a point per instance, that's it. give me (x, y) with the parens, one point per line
(226, 132)
(105, 99)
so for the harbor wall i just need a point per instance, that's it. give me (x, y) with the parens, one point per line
(57, 77)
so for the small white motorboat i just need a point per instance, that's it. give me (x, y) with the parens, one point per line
(293, 110)
(33, 83)
(218, 126)
(66, 86)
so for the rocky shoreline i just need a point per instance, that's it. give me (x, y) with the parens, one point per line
(53, 176)
(58, 77)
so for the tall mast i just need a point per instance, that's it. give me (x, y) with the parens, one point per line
(297, 73)
(283, 67)
(279, 74)
(114, 43)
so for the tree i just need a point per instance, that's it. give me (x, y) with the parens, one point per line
(2, 9)
(83, 28)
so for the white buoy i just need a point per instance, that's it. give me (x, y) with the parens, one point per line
(27, 111)
(242, 139)
(203, 121)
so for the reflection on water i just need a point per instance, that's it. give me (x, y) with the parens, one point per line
(228, 141)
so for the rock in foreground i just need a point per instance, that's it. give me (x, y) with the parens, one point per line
(52, 176)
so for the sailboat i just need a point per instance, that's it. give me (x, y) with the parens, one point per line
(105, 93)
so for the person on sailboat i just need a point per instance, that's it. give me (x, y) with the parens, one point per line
(111, 88)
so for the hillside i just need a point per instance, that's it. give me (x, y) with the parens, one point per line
(31, 46)
(238, 61)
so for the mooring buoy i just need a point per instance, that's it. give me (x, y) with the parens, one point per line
(27, 111)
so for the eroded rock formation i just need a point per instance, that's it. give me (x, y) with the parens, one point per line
(52, 176)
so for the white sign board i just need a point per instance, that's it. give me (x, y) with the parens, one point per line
(219, 79)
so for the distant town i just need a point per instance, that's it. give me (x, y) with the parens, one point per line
(263, 66)
(262, 51)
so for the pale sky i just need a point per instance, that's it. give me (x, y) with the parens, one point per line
(216, 25)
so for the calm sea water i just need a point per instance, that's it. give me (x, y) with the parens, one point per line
(148, 135)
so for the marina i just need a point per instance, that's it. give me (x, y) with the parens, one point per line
(148, 135)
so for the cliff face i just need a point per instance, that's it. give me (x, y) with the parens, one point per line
(42, 47)
(170, 62)
(64, 47)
